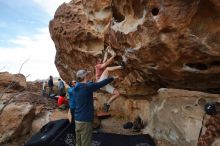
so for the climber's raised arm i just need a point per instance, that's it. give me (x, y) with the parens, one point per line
(105, 55)
(106, 61)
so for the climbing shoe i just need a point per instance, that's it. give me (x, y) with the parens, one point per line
(122, 64)
(138, 124)
(128, 125)
(106, 107)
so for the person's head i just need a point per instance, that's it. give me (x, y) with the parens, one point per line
(72, 83)
(59, 79)
(99, 59)
(63, 94)
(51, 77)
(82, 75)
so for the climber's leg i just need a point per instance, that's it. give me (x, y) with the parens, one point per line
(108, 88)
(105, 74)
(115, 94)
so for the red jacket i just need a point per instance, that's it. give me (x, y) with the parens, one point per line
(62, 100)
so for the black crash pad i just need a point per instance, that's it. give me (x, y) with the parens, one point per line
(61, 133)
(108, 139)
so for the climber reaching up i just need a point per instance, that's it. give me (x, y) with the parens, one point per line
(102, 72)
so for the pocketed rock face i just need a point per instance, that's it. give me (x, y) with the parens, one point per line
(164, 43)
(75, 39)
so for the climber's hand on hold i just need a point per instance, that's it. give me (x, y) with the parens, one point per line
(112, 52)
(122, 64)
(115, 77)
(108, 48)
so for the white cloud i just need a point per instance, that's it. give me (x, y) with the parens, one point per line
(39, 48)
(50, 6)
(22, 40)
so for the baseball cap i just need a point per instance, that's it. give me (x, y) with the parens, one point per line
(82, 73)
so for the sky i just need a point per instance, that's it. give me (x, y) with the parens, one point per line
(25, 38)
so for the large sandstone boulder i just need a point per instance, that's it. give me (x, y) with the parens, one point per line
(177, 115)
(23, 114)
(15, 120)
(12, 82)
(164, 43)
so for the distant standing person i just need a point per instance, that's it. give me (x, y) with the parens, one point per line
(84, 109)
(44, 88)
(50, 84)
(60, 87)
